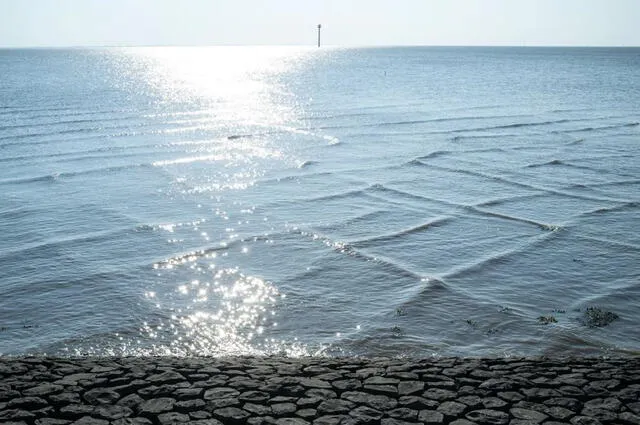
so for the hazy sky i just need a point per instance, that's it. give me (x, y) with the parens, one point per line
(345, 22)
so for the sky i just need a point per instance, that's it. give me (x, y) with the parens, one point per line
(38, 23)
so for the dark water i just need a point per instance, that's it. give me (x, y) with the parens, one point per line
(396, 201)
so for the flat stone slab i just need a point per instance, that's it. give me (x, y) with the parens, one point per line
(288, 391)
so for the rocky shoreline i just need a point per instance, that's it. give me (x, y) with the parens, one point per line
(319, 391)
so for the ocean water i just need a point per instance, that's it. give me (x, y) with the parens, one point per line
(335, 201)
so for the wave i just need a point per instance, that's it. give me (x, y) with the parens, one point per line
(350, 250)
(55, 177)
(372, 241)
(496, 258)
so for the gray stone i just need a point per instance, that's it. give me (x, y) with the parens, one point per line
(528, 415)
(307, 413)
(15, 414)
(314, 383)
(187, 393)
(257, 409)
(291, 421)
(187, 406)
(330, 420)
(112, 412)
(222, 392)
(172, 418)
(380, 380)
(602, 415)
(309, 401)
(52, 421)
(131, 401)
(231, 415)
(452, 408)
(347, 384)
(254, 396)
(410, 387)
(493, 403)
(27, 403)
(101, 396)
(462, 422)
(403, 413)
(488, 416)
(366, 415)
(610, 403)
(585, 420)
(629, 418)
(378, 402)
(418, 403)
(169, 377)
(333, 406)
(390, 390)
(43, 389)
(222, 402)
(497, 384)
(392, 421)
(430, 417)
(282, 409)
(88, 420)
(156, 406)
(75, 411)
(559, 413)
(538, 393)
(439, 394)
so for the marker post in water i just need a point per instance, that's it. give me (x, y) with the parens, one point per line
(319, 27)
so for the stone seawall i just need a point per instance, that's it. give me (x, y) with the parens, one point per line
(283, 391)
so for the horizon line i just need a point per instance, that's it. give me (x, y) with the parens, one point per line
(313, 46)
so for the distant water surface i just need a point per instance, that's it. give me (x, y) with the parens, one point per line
(368, 201)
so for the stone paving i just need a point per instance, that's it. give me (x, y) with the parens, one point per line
(319, 391)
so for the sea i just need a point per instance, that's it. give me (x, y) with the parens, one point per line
(297, 201)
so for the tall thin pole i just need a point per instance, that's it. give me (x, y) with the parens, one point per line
(319, 26)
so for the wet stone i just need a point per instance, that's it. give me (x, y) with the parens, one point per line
(488, 417)
(26, 403)
(410, 387)
(231, 415)
(88, 420)
(43, 390)
(101, 396)
(282, 409)
(257, 409)
(132, 421)
(172, 418)
(219, 393)
(51, 421)
(75, 411)
(439, 394)
(493, 403)
(559, 413)
(307, 413)
(330, 420)
(156, 406)
(378, 402)
(610, 403)
(418, 403)
(291, 421)
(347, 384)
(112, 412)
(189, 405)
(528, 415)
(585, 420)
(333, 406)
(403, 413)
(365, 414)
(452, 408)
(430, 417)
